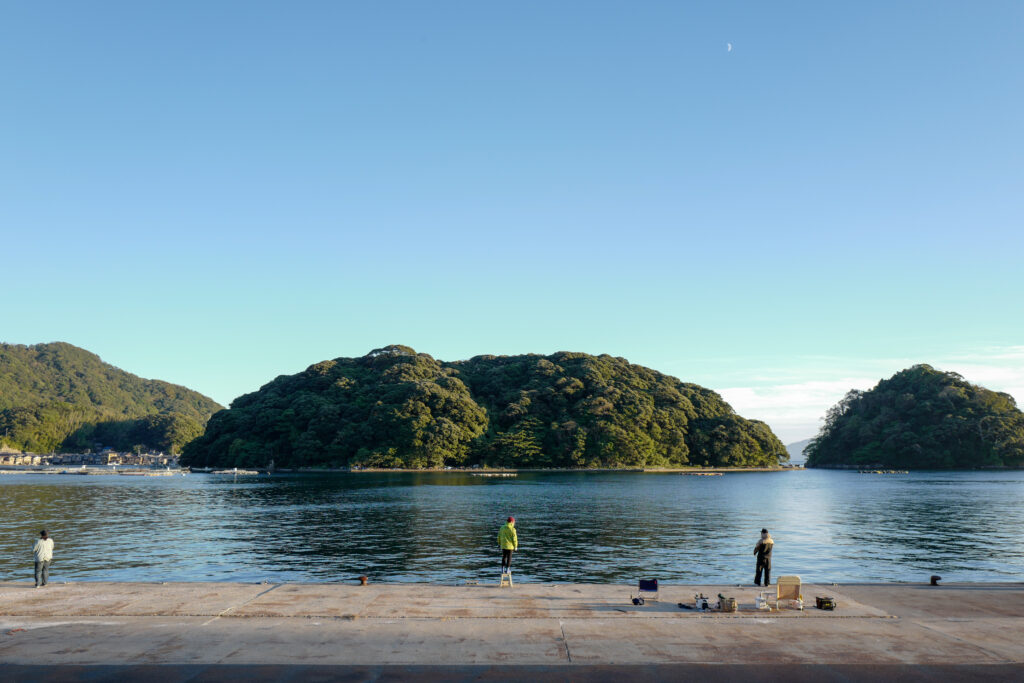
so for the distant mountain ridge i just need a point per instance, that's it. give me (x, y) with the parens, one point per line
(58, 396)
(796, 451)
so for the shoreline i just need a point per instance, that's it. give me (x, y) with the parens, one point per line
(94, 470)
(507, 470)
(99, 470)
(562, 627)
(165, 471)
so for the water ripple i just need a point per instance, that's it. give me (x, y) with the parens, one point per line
(829, 526)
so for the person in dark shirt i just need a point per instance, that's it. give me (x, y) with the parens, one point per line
(763, 550)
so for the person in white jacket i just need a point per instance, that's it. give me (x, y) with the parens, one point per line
(43, 551)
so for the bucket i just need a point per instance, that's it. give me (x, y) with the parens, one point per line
(728, 604)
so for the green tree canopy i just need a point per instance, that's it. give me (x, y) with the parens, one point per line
(921, 418)
(60, 397)
(398, 408)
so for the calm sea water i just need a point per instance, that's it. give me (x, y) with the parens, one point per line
(573, 527)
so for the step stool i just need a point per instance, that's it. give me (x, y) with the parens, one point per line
(506, 577)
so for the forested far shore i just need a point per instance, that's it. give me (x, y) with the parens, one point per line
(396, 408)
(60, 398)
(921, 418)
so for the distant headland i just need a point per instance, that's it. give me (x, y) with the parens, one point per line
(921, 418)
(396, 408)
(60, 398)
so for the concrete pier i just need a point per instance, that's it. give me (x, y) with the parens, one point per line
(215, 631)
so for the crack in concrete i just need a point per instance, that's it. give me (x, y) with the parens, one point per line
(243, 604)
(565, 641)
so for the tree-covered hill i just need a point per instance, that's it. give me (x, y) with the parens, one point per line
(921, 418)
(60, 397)
(398, 408)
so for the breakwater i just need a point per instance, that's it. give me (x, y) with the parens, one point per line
(904, 627)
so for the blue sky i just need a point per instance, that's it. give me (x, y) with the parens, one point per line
(217, 193)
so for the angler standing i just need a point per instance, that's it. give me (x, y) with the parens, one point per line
(763, 550)
(43, 550)
(508, 541)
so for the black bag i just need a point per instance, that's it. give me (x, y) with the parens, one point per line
(825, 603)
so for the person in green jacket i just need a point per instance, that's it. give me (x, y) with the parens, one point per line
(508, 541)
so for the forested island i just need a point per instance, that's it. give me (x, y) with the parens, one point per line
(58, 397)
(398, 408)
(921, 418)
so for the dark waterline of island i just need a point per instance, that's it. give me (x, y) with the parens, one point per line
(578, 527)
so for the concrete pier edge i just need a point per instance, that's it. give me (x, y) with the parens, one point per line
(234, 631)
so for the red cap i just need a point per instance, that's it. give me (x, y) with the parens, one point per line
(511, 519)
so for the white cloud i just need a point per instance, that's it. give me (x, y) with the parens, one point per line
(794, 409)
(1000, 369)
